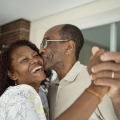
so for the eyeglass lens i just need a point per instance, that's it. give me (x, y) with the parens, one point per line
(44, 43)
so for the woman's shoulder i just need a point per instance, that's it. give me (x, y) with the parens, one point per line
(20, 87)
(23, 101)
(23, 90)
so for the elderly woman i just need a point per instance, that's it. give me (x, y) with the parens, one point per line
(21, 73)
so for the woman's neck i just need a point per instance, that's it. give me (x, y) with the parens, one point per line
(36, 87)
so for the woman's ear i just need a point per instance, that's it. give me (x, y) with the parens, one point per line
(12, 76)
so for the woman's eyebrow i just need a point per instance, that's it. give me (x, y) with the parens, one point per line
(35, 52)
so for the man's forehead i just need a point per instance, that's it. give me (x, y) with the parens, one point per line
(53, 32)
(57, 27)
(54, 29)
(50, 34)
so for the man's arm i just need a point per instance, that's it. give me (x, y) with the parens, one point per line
(107, 73)
(85, 105)
(79, 109)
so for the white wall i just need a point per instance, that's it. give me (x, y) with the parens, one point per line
(86, 52)
(89, 15)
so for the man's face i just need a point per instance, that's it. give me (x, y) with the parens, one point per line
(53, 55)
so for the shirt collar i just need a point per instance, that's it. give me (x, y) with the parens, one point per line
(71, 75)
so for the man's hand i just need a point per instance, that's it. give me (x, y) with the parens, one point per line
(109, 71)
(94, 60)
(105, 71)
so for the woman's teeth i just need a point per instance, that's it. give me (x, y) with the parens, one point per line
(36, 69)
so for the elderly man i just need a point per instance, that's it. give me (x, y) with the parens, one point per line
(60, 50)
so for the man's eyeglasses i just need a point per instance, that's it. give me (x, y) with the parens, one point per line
(44, 44)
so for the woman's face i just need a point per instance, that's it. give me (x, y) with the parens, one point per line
(27, 66)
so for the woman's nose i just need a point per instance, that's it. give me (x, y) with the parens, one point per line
(34, 60)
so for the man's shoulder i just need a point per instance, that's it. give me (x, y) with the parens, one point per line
(80, 68)
(83, 72)
(83, 78)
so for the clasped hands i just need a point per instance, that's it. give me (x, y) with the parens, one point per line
(104, 68)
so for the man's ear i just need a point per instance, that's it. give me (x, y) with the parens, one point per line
(70, 47)
(12, 76)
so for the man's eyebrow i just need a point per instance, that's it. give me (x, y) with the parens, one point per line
(48, 38)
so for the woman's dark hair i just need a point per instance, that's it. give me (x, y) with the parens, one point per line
(5, 62)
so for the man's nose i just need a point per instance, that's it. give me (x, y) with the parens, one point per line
(41, 50)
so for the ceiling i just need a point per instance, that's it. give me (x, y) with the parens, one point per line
(31, 10)
(11, 10)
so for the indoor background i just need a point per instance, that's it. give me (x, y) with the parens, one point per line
(99, 21)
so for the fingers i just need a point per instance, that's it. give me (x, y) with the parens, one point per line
(104, 82)
(105, 74)
(94, 60)
(111, 56)
(106, 66)
(94, 49)
(98, 52)
(114, 85)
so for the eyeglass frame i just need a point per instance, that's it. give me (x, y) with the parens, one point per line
(42, 46)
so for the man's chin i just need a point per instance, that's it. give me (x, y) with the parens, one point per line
(46, 67)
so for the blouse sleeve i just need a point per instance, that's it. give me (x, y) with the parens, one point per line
(21, 103)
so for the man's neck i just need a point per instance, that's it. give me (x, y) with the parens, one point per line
(64, 69)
